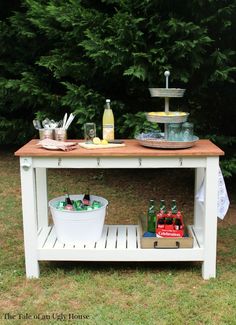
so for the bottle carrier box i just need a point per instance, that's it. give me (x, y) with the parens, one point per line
(162, 243)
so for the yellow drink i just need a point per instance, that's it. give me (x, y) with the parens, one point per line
(108, 122)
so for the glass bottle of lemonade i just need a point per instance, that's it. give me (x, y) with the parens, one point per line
(108, 122)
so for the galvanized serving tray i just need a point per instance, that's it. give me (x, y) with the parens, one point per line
(165, 144)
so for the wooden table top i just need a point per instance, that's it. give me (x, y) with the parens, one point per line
(131, 149)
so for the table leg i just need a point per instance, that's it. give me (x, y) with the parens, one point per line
(42, 197)
(28, 192)
(198, 209)
(210, 218)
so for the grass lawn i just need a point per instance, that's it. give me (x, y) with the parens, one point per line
(113, 293)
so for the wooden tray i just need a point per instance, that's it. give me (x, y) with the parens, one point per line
(100, 146)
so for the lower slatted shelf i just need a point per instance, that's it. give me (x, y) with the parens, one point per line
(117, 243)
(113, 237)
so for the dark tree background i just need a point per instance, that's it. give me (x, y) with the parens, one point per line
(62, 56)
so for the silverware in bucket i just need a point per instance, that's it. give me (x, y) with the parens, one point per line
(45, 134)
(60, 134)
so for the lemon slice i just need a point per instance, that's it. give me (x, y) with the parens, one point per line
(96, 140)
(104, 141)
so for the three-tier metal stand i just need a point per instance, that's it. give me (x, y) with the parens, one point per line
(166, 117)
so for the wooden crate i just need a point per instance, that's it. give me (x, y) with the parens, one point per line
(162, 243)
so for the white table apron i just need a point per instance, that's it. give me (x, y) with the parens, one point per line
(121, 242)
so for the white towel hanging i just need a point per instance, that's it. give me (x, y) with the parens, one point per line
(222, 200)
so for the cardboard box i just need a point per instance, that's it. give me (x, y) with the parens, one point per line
(162, 243)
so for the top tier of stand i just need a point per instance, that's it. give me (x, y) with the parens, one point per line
(167, 92)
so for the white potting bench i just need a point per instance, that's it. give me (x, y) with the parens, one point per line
(118, 242)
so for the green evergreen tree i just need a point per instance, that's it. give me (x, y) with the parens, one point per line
(58, 56)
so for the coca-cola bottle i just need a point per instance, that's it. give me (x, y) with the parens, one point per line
(163, 206)
(86, 198)
(161, 220)
(178, 222)
(68, 200)
(174, 209)
(169, 219)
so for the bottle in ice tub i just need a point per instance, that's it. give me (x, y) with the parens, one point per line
(68, 203)
(86, 198)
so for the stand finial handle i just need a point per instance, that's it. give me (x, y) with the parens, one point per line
(167, 74)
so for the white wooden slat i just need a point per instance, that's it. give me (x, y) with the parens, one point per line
(58, 245)
(132, 237)
(90, 245)
(73, 246)
(111, 237)
(138, 236)
(68, 246)
(43, 235)
(197, 236)
(51, 239)
(78, 245)
(102, 241)
(121, 237)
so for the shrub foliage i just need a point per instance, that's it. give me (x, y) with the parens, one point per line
(69, 56)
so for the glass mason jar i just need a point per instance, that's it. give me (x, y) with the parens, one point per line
(187, 131)
(89, 131)
(174, 132)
